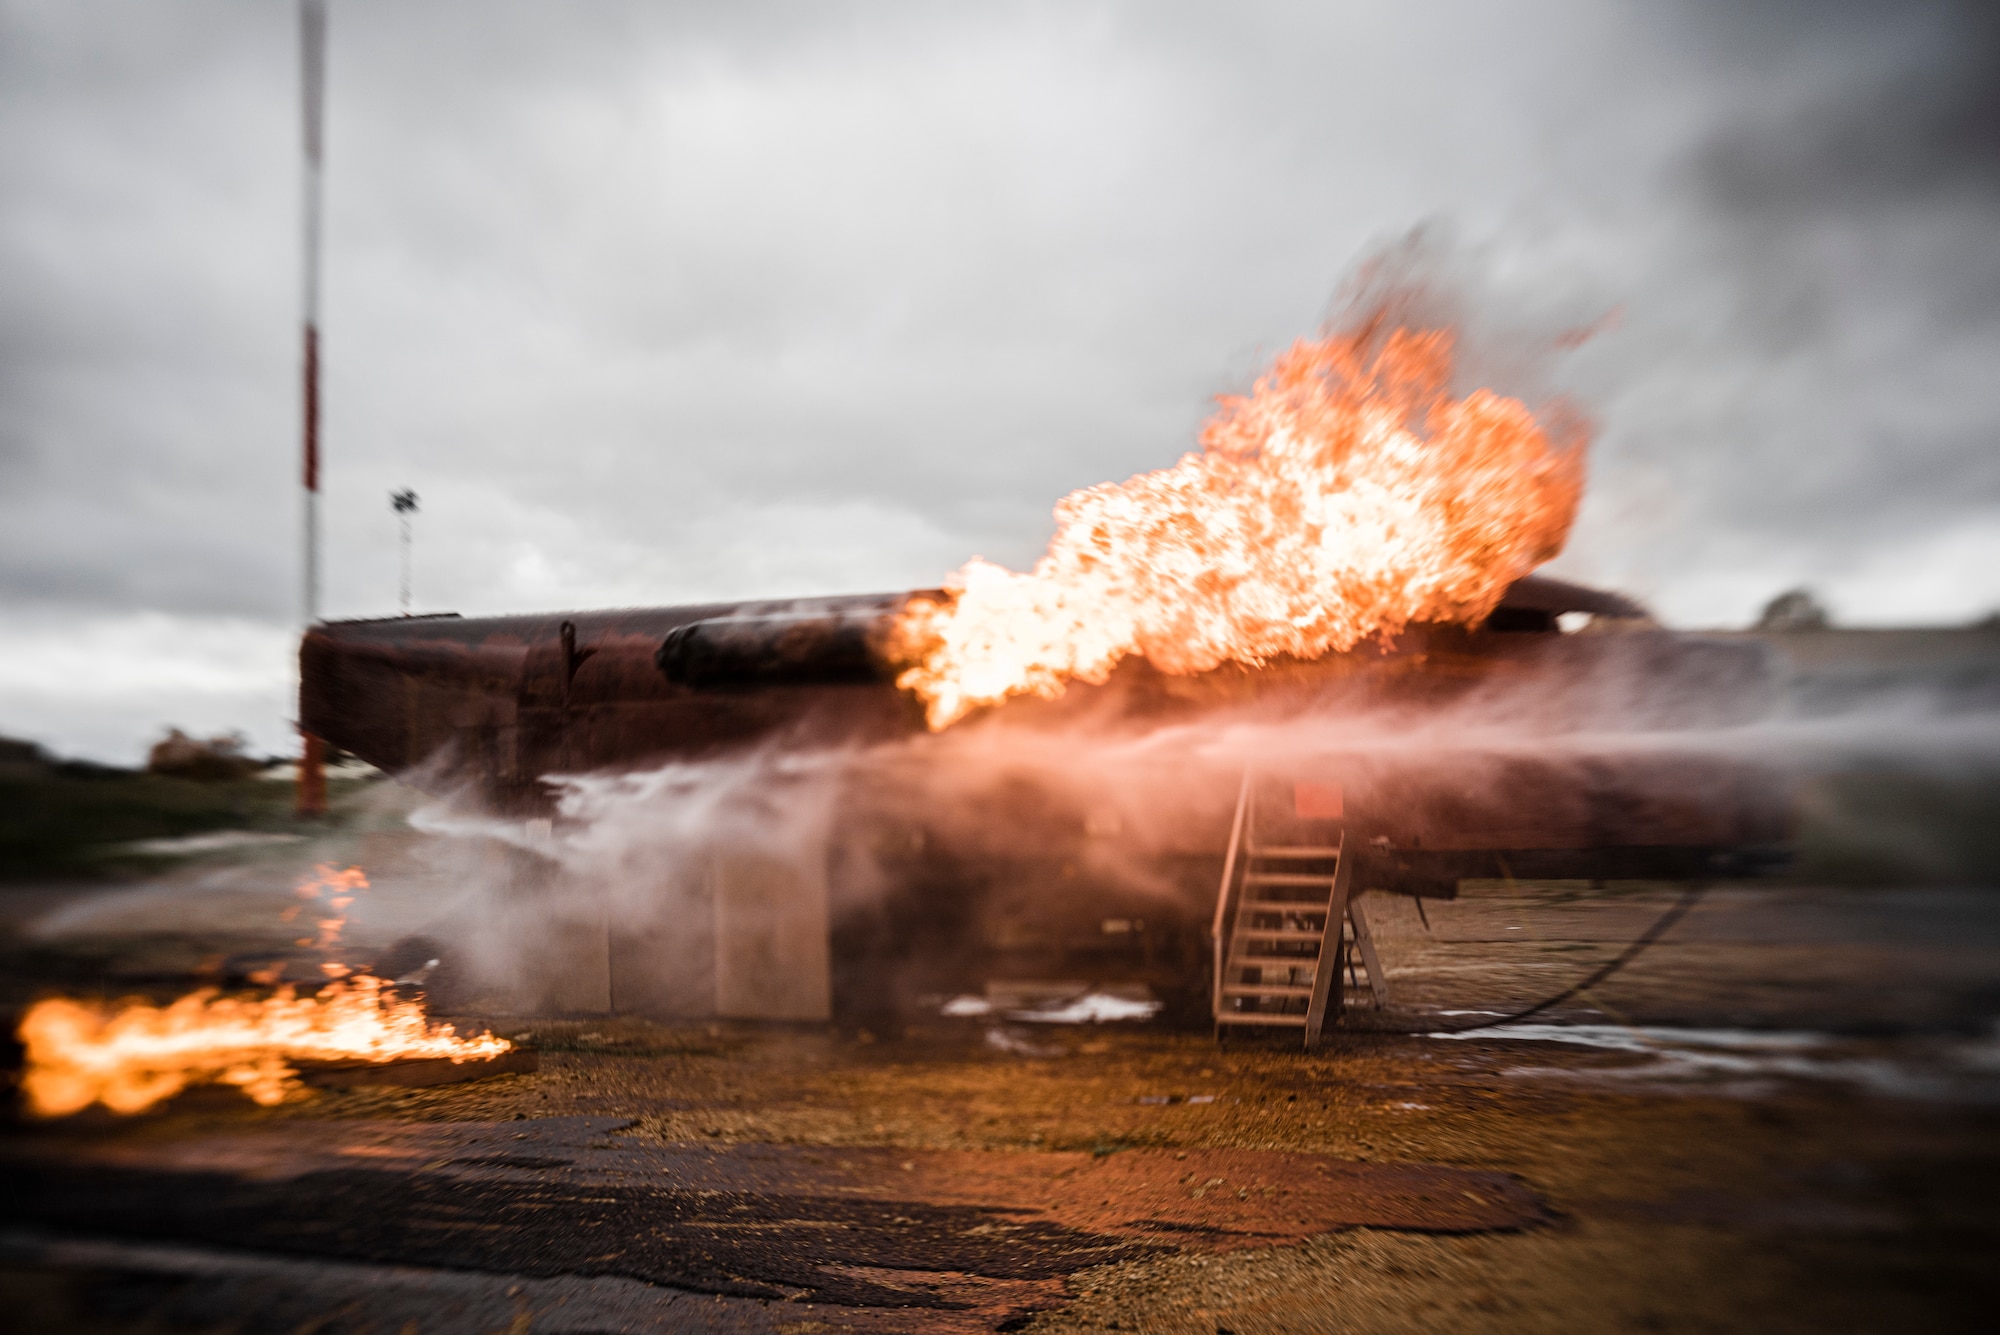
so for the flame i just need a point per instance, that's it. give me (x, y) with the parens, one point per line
(130, 1056)
(1345, 497)
(337, 889)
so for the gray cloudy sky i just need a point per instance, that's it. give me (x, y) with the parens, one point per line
(655, 302)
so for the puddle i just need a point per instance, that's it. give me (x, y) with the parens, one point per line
(215, 841)
(1088, 1008)
(1919, 1068)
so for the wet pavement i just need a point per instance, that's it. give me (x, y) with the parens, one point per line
(955, 1231)
(1783, 1117)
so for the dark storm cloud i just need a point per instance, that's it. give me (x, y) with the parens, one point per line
(1802, 390)
(1907, 142)
(143, 277)
(1862, 208)
(656, 302)
(1924, 124)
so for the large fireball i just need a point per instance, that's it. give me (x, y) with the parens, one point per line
(1345, 497)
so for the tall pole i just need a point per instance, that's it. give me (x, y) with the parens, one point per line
(404, 503)
(312, 88)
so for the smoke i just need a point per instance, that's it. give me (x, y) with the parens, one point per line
(698, 887)
(1512, 324)
(618, 900)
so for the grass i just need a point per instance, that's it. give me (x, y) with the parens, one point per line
(74, 821)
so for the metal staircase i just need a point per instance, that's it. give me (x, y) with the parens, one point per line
(1291, 943)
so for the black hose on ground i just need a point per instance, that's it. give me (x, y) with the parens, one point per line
(1660, 927)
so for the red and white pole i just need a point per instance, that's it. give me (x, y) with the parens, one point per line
(312, 85)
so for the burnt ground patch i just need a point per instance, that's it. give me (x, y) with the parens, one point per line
(793, 1248)
(847, 1227)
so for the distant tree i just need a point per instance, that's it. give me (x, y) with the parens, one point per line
(194, 758)
(1794, 609)
(15, 752)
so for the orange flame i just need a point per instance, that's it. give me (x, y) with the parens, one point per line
(1346, 496)
(338, 890)
(130, 1056)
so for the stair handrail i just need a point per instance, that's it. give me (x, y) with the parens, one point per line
(1326, 993)
(1222, 895)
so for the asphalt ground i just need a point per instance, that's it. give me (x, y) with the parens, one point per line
(1781, 1118)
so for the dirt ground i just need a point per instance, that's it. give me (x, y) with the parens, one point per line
(1783, 1118)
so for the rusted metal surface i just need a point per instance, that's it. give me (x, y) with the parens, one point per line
(504, 701)
(817, 650)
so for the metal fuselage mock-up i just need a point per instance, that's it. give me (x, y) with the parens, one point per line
(1032, 873)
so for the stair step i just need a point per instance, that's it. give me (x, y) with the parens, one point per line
(1262, 1017)
(1268, 990)
(1279, 934)
(1287, 988)
(1279, 900)
(1288, 878)
(1292, 851)
(1279, 908)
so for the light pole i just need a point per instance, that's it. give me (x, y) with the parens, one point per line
(311, 795)
(404, 503)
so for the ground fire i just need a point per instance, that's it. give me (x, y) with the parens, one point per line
(129, 1056)
(331, 893)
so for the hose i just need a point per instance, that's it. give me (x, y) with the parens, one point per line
(1664, 923)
